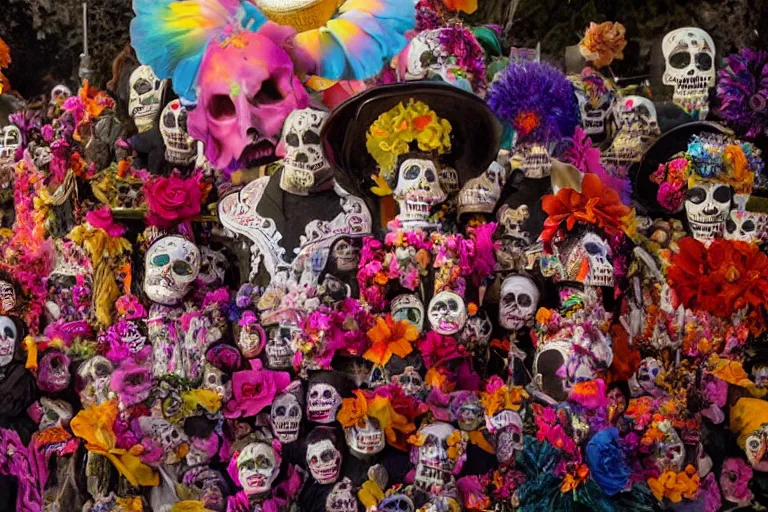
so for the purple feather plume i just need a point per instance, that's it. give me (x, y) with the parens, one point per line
(743, 92)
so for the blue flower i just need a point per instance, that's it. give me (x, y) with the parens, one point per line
(606, 462)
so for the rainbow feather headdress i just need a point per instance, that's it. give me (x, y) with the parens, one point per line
(349, 40)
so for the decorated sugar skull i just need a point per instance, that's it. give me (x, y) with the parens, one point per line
(519, 300)
(707, 204)
(366, 438)
(53, 371)
(638, 127)
(746, 226)
(434, 467)
(342, 497)
(644, 380)
(587, 259)
(9, 334)
(257, 468)
(285, 417)
(408, 307)
(480, 194)
(247, 89)
(477, 331)
(425, 54)
(171, 266)
(94, 381)
(670, 450)
(449, 179)
(409, 381)
(10, 140)
(513, 220)
(507, 428)
(278, 348)
(7, 296)
(533, 159)
(169, 436)
(418, 190)
(447, 313)
(596, 97)
(396, 503)
(304, 163)
(346, 254)
(689, 56)
(208, 485)
(323, 457)
(323, 402)
(213, 266)
(252, 338)
(180, 148)
(468, 410)
(146, 97)
(217, 381)
(756, 448)
(59, 94)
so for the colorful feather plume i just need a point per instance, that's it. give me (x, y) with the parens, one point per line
(742, 89)
(536, 100)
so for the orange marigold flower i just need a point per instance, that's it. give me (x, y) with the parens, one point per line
(390, 337)
(603, 43)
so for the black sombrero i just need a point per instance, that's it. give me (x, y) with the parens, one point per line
(475, 135)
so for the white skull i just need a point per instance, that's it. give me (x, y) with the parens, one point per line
(596, 101)
(168, 435)
(180, 147)
(171, 266)
(213, 266)
(409, 381)
(706, 206)
(449, 180)
(470, 414)
(600, 260)
(480, 194)
(643, 382)
(689, 55)
(323, 402)
(304, 164)
(214, 380)
(638, 126)
(7, 297)
(447, 313)
(251, 340)
(366, 439)
(55, 413)
(146, 96)
(257, 468)
(408, 307)
(60, 94)
(396, 503)
(8, 336)
(278, 349)
(285, 417)
(341, 498)
(346, 255)
(519, 300)
(477, 331)
(508, 429)
(670, 451)
(418, 190)
(434, 467)
(513, 220)
(95, 378)
(10, 140)
(533, 159)
(324, 461)
(746, 226)
(425, 54)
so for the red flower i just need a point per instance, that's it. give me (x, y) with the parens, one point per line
(172, 200)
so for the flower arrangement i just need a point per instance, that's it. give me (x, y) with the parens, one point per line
(389, 406)
(676, 486)
(498, 396)
(603, 43)
(742, 88)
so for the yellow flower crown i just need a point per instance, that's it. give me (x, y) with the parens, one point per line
(392, 134)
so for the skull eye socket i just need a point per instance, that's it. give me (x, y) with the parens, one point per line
(453, 306)
(680, 60)
(327, 393)
(183, 121)
(311, 137)
(524, 300)
(293, 412)
(292, 140)
(280, 411)
(696, 195)
(268, 94)
(430, 175)
(722, 194)
(169, 120)
(748, 226)
(592, 248)
(9, 333)
(327, 456)
(412, 172)
(142, 86)
(222, 107)
(703, 61)
(182, 268)
(516, 437)
(161, 260)
(730, 226)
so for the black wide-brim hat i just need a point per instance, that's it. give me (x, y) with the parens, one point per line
(663, 150)
(475, 131)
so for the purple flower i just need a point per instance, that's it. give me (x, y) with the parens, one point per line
(743, 91)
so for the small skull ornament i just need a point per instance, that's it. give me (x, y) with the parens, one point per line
(180, 147)
(670, 450)
(94, 381)
(533, 159)
(756, 448)
(257, 468)
(409, 381)
(434, 468)
(9, 334)
(480, 194)
(447, 313)
(304, 163)
(341, 498)
(324, 460)
(346, 254)
(213, 267)
(10, 140)
(59, 94)
(278, 348)
(396, 503)
(408, 307)
(519, 300)
(418, 190)
(171, 266)
(706, 206)
(743, 226)
(285, 417)
(217, 381)
(365, 439)
(146, 97)
(689, 56)
(7, 297)
(323, 402)
(507, 427)
(54, 413)
(644, 380)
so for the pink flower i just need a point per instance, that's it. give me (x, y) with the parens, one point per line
(253, 390)
(436, 348)
(47, 133)
(102, 219)
(671, 195)
(734, 481)
(130, 307)
(172, 200)
(494, 383)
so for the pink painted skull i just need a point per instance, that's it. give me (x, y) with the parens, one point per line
(247, 89)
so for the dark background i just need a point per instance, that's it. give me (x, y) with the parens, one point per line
(45, 36)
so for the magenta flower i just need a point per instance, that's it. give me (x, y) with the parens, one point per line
(734, 481)
(255, 389)
(102, 219)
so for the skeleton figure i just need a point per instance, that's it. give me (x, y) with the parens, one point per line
(480, 194)
(304, 163)
(59, 94)
(171, 266)
(213, 267)
(507, 428)
(409, 381)
(257, 468)
(285, 417)
(323, 458)
(94, 381)
(519, 300)
(707, 204)
(434, 468)
(418, 190)
(341, 497)
(744, 226)
(180, 148)
(409, 307)
(7, 297)
(8, 336)
(10, 140)
(323, 402)
(365, 439)
(146, 97)
(689, 56)
(447, 313)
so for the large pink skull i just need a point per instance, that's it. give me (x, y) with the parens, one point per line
(247, 87)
